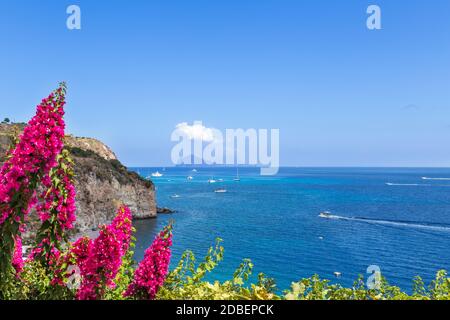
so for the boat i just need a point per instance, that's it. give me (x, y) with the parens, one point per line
(212, 181)
(325, 214)
(194, 170)
(237, 175)
(156, 174)
(175, 196)
(190, 178)
(220, 190)
(337, 274)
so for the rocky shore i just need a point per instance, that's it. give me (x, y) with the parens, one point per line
(102, 182)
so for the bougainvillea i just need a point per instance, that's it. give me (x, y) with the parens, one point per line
(152, 271)
(123, 227)
(100, 260)
(79, 253)
(17, 260)
(27, 164)
(37, 161)
(56, 209)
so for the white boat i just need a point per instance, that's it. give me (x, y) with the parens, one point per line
(221, 190)
(194, 170)
(237, 175)
(325, 214)
(190, 178)
(175, 196)
(157, 174)
(212, 181)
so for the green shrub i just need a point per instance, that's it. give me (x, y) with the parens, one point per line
(186, 282)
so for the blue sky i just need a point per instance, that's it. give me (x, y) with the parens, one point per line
(340, 94)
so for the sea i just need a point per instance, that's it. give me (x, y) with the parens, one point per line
(395, 218)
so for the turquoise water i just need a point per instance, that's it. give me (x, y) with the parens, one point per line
(392, 218)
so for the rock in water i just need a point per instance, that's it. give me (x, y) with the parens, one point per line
(164, 210)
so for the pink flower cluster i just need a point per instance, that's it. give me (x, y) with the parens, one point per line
(58, 200)
(100, 260)
(80, 253)
(17, 260)
(32, 158)
(26, 165)
(56, 209)
(152, 271)
(122, 224)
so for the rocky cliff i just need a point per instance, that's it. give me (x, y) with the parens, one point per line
(102, 182)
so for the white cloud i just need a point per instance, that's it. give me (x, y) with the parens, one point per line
(197, 131)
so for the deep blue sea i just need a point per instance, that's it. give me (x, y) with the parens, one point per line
(390, 217)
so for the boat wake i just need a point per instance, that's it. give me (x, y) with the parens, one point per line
(396, 223)
(426, 178)
(405, 184)
(416, 185)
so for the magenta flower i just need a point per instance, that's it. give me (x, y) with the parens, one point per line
(153, 269)
(27, 164)
(56, 209)
(100, 260)
(122, 224)
(80, 252)
(17, 260)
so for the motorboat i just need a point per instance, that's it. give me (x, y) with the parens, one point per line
(157, 174)
(325, 214)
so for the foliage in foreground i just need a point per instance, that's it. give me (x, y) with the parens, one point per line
(186, 282)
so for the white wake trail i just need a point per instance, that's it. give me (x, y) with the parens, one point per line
(407, 224)
(406, 184)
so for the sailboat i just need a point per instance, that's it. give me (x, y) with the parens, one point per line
(237, 175)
